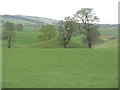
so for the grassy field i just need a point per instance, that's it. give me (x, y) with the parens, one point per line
(24, 38)
(29, 38)
(109, 31)
(60, 68)
(34, 64)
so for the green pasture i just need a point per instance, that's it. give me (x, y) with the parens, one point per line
(23, 38)
(109, 31)
(31, 63)
(60, 68)
(29, 38)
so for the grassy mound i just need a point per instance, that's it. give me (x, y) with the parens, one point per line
(53, 43)
(108, 44)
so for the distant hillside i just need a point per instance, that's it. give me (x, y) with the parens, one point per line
(27, 19)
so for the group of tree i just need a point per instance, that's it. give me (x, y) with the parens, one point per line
(84, 20)
(19, 27)
(32, 25)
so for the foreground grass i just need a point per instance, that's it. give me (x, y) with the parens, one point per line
(60, 68)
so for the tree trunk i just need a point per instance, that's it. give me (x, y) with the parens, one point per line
(9, 43)
(49, 37)
(89, 45)
(64, 44)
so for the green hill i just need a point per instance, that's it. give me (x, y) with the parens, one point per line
(54, 43)
(27, 19)
(108, 44)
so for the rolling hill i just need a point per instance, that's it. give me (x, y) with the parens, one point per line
(27, 19)
(108, 44)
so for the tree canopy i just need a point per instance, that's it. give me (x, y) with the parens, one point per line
(66, 29)
(47, 32)
(8, 32)
(87, 18)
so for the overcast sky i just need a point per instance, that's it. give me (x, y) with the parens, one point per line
(106, 10)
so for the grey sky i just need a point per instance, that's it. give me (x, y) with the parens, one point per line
(106, 10)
